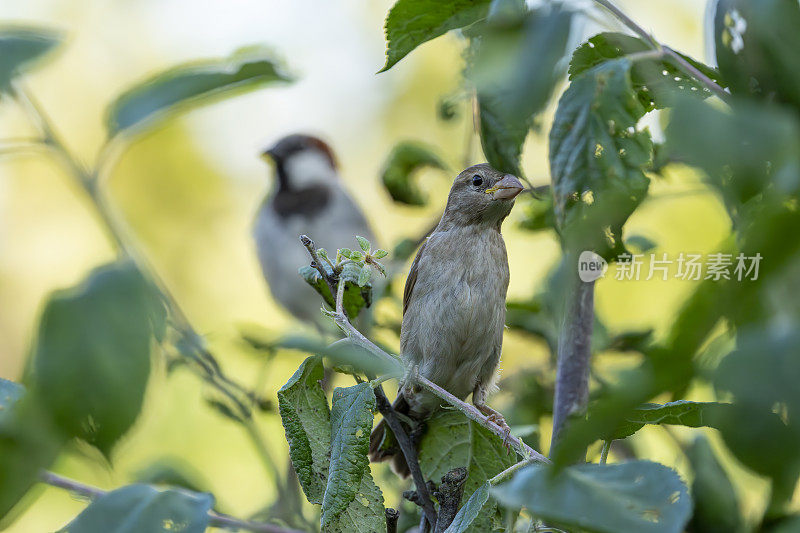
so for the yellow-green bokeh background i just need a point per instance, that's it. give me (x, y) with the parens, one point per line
(189, 189)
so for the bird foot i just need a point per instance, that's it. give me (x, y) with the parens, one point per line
(497, 419)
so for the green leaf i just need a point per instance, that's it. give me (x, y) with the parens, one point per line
(364, 275)
(413, 22)
(512, 61)
(356, 296)
(680, 413)
(364, 244)
(398, 171)
(29, 442)
(307, 421)
(351, 420)
(20, 47)
(452, 440)
(138, 508)
(344, 353)
(640, 243)
(537, 213)
(756, 47)
(470, 510)
(636, 496)
(92, 358)
(743, 150)
(379, 254)
(365, 513)
(656, 81)
(716, 508)
(760, 374)
(191, 84)
(598, 158)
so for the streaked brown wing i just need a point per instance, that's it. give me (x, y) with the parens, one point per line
(411, 280)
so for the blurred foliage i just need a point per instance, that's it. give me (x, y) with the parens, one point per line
(734, 339)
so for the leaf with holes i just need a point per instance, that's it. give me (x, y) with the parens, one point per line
(598, 158)
(656, 81)
(636, 496)
(307, 421)
(411, 23)
(191, 84)
(452, 440)
(138, 508)
(20, 47)
(349, 477)
(756, 47)
(405, 159)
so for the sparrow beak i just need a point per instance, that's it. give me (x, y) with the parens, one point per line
(268, 155)
(505, 189)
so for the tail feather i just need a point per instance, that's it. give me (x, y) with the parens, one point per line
(382, 444)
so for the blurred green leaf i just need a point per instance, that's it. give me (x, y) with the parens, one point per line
(538, 213)
(344, 354)
(470, 510)
(29, 442)
(398, 170)
(452, 440)
(92, 358)
(760, 374)
(640, 243)
(716, 508)
(380, 254)
(680, 413)
(636, 496)
(756, 45)
(349, 479)
(307, 421)
(20, 47)
(191, 84)
(356, 296)
(597, 157)
(138, 508)
(173, 472)
(512, 61)
(656, 81)
(743, 150)
(413, 22)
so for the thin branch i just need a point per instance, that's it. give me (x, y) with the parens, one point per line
(604, 451)
(392, 516)
(676, 58)
(215, 519)
(574, 353)
(510, 470)
(409, 453)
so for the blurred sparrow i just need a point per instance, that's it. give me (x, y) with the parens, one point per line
(454, 305)
(309, 198)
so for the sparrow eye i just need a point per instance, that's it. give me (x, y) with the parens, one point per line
(477, 180)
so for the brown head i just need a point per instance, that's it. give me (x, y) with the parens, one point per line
(301, 160)
(481, 196)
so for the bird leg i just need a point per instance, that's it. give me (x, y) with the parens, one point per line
(479, 401)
